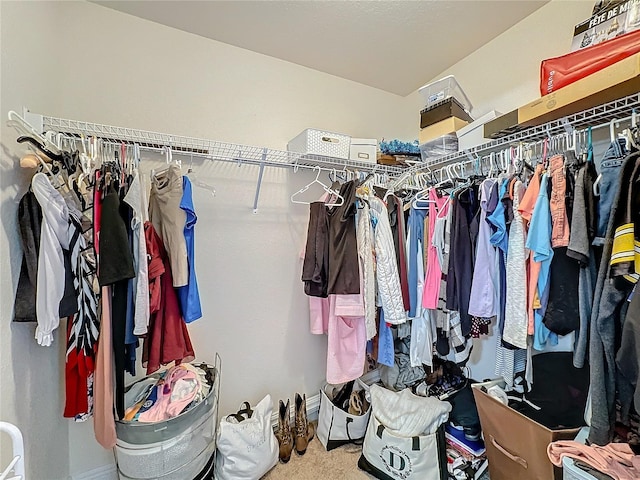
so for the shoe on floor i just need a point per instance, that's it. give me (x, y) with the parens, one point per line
(304, 431)
(283, 433)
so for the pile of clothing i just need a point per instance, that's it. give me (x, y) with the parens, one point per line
(168, 393)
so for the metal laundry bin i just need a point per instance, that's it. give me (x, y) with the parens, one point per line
(174, 449)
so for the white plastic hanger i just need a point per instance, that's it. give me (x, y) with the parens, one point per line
(196, 182)
(24, 128)
(339, 200)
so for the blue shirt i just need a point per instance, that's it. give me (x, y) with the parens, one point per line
(539, 242)
(189, 295)
(415, 226)
(500, 238)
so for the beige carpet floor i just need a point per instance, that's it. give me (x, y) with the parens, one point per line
(340, 463)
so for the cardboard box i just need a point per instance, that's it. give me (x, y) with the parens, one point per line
(449, 107)
(448, 125)
(363, 149)
(516, 445)
(615, 81)
(618, 18)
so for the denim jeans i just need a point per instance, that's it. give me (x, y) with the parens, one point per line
(609, 170)
(609, 307)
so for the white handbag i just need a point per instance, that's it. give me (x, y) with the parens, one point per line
(337, 427)
(249, 449)
(405, 438)
(390, 457)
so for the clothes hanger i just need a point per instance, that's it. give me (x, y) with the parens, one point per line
(339, 199)
(195, 181)
(26, 130)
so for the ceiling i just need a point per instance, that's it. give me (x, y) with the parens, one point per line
(393, 45)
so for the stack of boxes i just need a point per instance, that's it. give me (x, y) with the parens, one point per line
(446, 112)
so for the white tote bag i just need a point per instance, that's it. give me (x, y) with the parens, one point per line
(249, 449)
(337, 427)
(390, 457)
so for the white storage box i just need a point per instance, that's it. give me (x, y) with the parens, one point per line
(364, 149)
(473, 134)
(444, 88)
(320, 142)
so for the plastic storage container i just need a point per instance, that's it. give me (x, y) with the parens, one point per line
(320, 142)
(444, 88)
(440, 146)
(571, 472)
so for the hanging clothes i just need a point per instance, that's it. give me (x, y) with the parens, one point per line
(315, 267)
(169, 219)
(526, 209)
(104, 424)
(51, 266)
(583, 229)
(366, 252)
(561, 313)
(539, 242)
(484, 288)
(344, 277)
(398, 228)
(415, 241)
(516, 320)
(465, 207)
(341, 318)
(388, 281)
(438, 206)
(189, 295)
(135, 197)
(168, 339)
(609, 298)
(30, 225)
(83, 328)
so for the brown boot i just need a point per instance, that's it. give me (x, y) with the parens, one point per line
(304, 431)
(283, 434)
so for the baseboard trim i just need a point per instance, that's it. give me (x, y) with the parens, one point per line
(313, 402)
(105, 472)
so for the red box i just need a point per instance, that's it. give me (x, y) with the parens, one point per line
(559, 72)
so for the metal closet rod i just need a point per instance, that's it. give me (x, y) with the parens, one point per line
(209, 149)
(535, 144)
(597, 117)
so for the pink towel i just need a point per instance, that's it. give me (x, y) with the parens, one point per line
(615, 459)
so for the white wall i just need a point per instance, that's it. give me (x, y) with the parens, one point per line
(82, 61)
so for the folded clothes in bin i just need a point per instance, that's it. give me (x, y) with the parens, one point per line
(175, 399)
(174, 391)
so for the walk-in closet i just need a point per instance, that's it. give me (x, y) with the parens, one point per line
(304, 240)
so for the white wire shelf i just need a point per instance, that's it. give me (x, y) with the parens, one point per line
(598, 115)
(211, 149)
